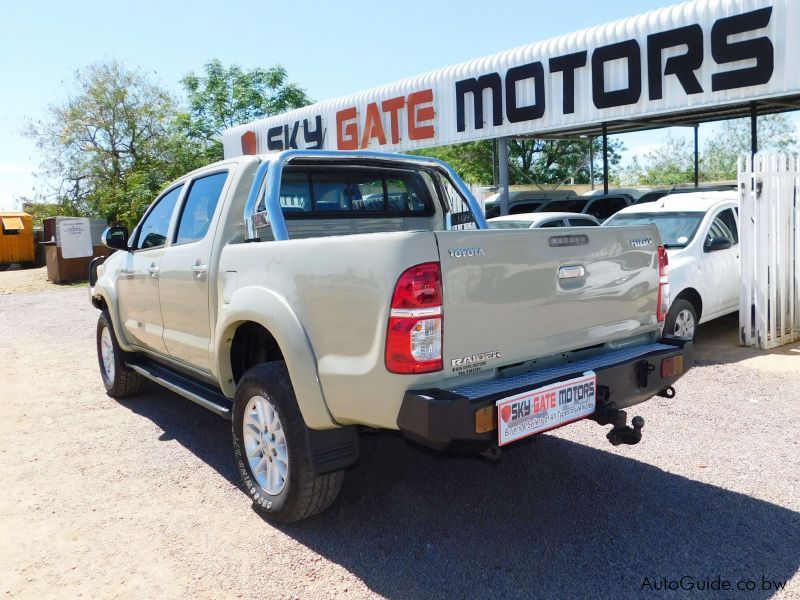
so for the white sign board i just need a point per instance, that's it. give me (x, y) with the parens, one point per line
(75, 237)
(691, 56)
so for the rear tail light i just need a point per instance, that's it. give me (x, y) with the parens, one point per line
(414, 335)
(663, 284)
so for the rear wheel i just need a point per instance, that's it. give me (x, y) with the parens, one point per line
(119, 379)
(681, 321)
(271, 448)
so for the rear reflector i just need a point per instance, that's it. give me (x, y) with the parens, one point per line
(672, 366)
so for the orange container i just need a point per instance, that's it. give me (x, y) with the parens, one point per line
(16, 238)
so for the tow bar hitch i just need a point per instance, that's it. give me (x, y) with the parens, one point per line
(608, 414)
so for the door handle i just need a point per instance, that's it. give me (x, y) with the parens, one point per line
(153, 270)
(199, 270)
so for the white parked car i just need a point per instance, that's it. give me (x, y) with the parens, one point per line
(700, 231)
(543, 219)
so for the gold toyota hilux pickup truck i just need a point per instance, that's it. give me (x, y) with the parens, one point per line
(307, 294)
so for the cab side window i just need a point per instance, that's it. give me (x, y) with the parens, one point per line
(199, 207)
(154, 228)
(720, 229)
(730, 222)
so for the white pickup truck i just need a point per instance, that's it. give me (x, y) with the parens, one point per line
(307, 294)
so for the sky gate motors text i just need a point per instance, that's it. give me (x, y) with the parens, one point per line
(758, 52)
(740, 57)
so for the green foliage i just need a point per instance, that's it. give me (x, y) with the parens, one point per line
(224, 97)
(472, 160)
(776, 133)
(554, 162)
(544, 162)
(110, 146)
(44, 210)
(673, 161)
(670, 163)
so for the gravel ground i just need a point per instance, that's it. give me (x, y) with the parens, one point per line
(138, 498)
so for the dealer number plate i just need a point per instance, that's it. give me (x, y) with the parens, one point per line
(545, 408)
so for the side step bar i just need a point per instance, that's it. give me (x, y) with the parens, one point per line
(199, 393)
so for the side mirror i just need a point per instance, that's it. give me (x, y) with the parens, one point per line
(717, 243)
(115, 238)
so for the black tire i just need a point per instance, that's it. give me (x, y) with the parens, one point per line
(122, 381)
(303, 494)
(672, 326)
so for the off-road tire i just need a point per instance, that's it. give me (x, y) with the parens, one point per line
(677, 307)
(304, 494)
(124, 381)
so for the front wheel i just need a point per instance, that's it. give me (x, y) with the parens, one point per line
(271, 448)
(119, 379)
(681, 321)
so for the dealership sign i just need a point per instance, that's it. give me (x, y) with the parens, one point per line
(689, 56)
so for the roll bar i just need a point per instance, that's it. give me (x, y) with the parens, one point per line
(272, 167)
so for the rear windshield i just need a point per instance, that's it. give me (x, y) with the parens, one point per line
(349, 192)
(677, 229)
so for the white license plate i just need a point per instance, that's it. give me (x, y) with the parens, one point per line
(545, 408)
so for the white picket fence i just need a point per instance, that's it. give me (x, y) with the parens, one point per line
(769, 218)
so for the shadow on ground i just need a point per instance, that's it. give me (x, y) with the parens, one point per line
(717, 342)
(553, 519)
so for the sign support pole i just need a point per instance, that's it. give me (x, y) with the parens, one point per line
(605, 157)
(696, 159)
(502, 168)
(591, 161)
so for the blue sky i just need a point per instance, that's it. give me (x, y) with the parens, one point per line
(330, 49)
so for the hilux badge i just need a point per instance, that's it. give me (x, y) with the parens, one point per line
(641, 242)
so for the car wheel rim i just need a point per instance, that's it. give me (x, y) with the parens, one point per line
(107, 354)
(265, 445)
(684, 325)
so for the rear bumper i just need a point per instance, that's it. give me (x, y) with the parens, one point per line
(445, 419)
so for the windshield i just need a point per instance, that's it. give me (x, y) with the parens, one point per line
(676, 228)
(509, 224)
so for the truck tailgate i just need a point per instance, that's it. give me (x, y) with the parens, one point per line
(511, 296)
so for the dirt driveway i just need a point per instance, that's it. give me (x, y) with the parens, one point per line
(138, 498)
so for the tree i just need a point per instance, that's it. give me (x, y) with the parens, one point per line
(668, 164)
(563, 161)
(776, 133)
(471, 160)
(543, 162)
(110, 147)
(41, 210)
(225, 97)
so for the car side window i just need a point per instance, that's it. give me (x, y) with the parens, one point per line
(198, 208)
(154, 228)
(719, 229)
(730, 222)
(556, 223)
(582, 222)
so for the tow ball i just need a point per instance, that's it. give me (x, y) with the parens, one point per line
(608, 414)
